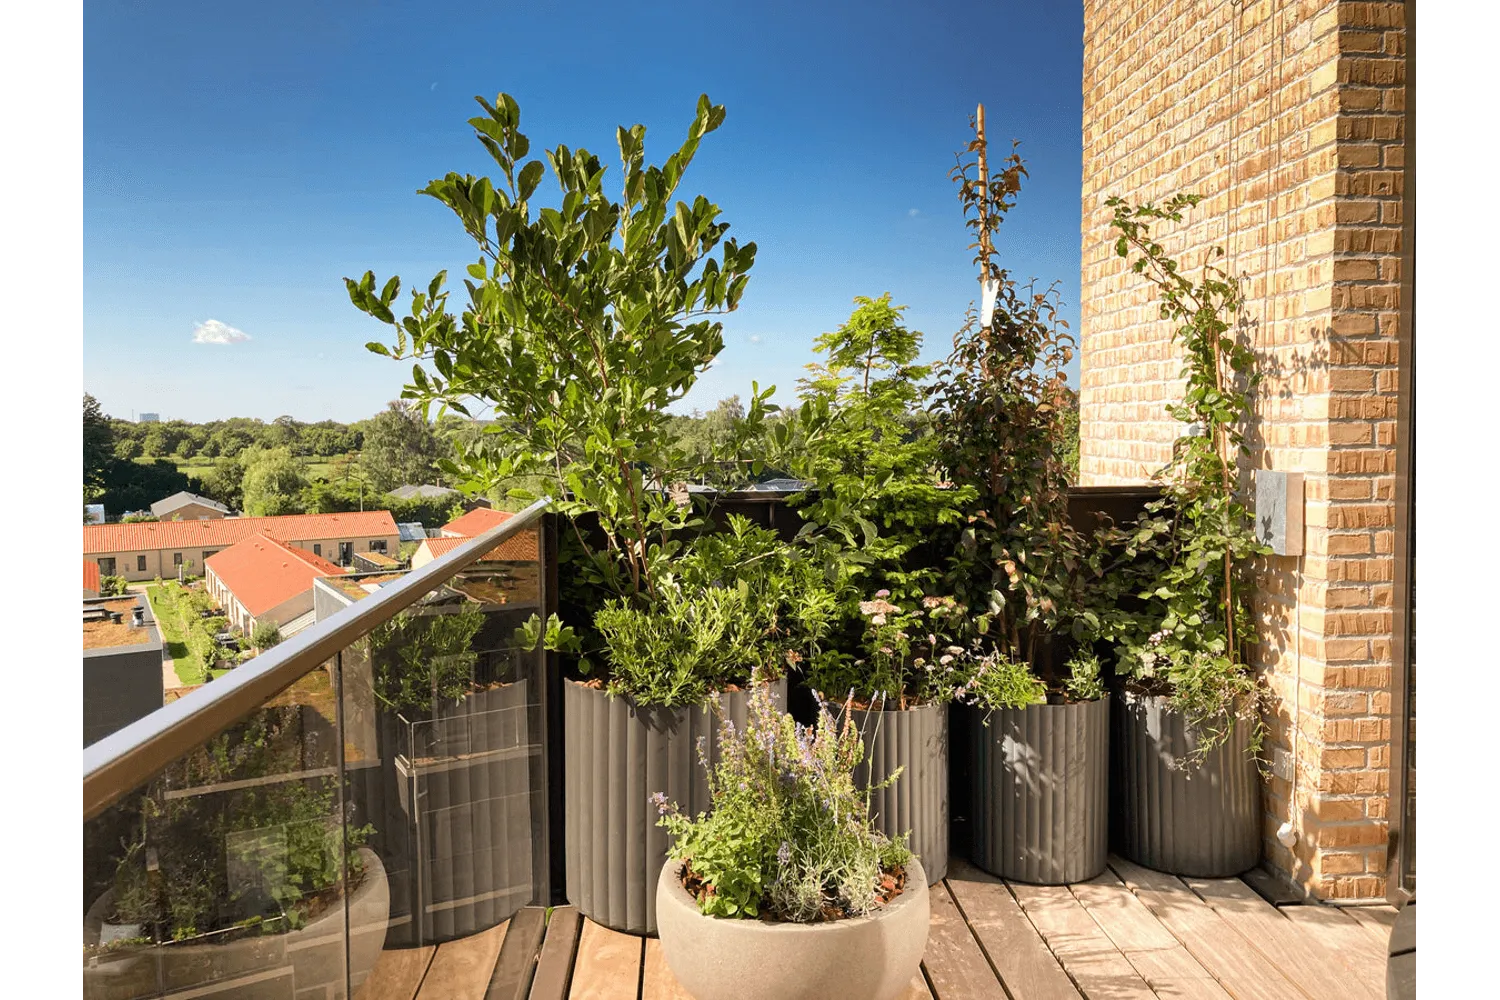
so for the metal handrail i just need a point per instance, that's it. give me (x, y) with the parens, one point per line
(130, 757)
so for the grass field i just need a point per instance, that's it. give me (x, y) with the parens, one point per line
(317, 468)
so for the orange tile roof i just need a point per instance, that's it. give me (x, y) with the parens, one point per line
(477, 520)
(146, 536)
(91, 575)
(263, 572)
(520, 547)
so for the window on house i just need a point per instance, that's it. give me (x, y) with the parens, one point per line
(107, 566)
(176, 558)
(140, 564)
(317, 548)
(377, 545)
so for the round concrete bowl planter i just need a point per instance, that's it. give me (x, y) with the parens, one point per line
(916, 740)
(310, 957)
(616, 755)
(1039, 791)
(1201, 820)
(860, 958)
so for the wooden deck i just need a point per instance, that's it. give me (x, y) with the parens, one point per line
(1130, 934)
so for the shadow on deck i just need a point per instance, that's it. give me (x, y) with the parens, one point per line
(1130, 933)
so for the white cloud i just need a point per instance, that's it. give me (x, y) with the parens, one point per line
(755, 338)
(913, 212)
(214, 332)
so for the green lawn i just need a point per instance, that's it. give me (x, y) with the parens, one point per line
(317, 468)
(170, 614)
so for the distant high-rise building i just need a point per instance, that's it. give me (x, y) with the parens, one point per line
(150, 418)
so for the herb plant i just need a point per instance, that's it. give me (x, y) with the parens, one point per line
(789, 835)
(426, 657)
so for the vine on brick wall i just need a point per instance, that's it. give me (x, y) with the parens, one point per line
(1182, 569)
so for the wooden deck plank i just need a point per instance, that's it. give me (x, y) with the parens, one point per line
(1152, 950)
(554, 966)
(397, 974)
(1218, 947)
(461, 969)
(511, 979)
(1376, 920)
(1304, 957)
(1085, 951)
(657, 981)
(954, 961)
(608, 965)
(1335, 931)
(1010, 941)
(917, 989)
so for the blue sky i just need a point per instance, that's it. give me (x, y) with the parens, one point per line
(240, 160)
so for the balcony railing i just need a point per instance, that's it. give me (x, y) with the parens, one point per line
(378, 779)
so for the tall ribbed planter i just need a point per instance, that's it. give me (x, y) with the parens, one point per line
(1039, 791)
(1201, 821)
(616, 755)
(917, 804)
(465, 790)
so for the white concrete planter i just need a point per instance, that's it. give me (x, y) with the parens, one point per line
(861, 958)
(270, 965)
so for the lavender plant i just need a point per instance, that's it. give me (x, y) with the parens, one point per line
(789, 835)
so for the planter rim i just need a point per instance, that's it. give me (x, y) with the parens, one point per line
(912, 895)
(713, 695)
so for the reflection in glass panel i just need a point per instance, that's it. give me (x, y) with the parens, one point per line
(233, 873)
(227, 872)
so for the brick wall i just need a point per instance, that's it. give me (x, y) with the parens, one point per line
(1286, 115)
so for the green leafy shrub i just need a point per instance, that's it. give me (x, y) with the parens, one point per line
(789, 835)
(265, 635)
(112, 586)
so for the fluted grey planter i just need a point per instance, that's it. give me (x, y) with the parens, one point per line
(1170, 815)
(1039, 791)
(616, 755)
(465, 792)
(916, 740)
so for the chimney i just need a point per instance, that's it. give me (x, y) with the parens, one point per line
(137, 617)
(115, 617)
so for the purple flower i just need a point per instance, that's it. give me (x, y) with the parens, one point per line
(662, 805)
(784, 854)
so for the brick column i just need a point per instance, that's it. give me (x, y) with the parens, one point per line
(1287, 117)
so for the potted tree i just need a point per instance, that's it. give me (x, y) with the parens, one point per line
(1187, 728)
(1037, 751)
(785, 889)
(872, 511)
(585, 323)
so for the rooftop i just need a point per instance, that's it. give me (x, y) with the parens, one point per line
(521, 547)
(475, 521)
(143, 536)
(409, 491)
(181, 499)
(263, 572)
(102, 632)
